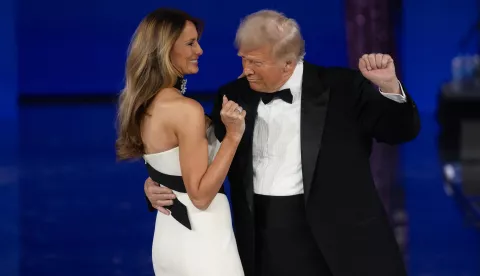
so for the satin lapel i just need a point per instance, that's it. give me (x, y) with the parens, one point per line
(249, 100)
(315, 97)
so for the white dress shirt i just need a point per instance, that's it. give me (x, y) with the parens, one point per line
(277, 163)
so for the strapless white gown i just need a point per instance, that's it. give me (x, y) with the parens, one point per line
(210, 248)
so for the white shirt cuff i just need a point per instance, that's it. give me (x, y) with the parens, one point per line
(399, 98)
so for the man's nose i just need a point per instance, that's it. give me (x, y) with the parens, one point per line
(248, 71)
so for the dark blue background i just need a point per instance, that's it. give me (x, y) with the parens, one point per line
(430, 34)
(81, 48)
(69, 209)
(8, 61)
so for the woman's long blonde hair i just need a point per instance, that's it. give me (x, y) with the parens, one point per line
(148, 70)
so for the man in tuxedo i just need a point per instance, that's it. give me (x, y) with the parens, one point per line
(303, 197)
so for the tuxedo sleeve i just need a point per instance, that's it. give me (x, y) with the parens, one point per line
(399, 98)
(386, 120)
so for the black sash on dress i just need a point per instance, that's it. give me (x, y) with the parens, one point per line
(174, 182)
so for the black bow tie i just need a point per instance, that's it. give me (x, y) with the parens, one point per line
(284, 94)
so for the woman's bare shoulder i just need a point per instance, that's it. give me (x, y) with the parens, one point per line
(178, 107)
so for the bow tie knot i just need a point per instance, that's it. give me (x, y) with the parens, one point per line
(284, 94)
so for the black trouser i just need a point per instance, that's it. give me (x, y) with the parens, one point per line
(284, 242)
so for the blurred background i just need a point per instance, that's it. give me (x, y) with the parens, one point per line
(67, 208)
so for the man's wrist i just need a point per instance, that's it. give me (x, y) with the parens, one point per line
(391, 87)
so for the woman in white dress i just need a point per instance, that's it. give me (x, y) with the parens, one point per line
(170, 131)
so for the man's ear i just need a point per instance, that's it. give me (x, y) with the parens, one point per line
(288, 66)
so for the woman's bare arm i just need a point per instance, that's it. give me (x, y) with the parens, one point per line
(201, 180)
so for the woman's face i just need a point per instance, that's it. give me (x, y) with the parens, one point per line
(186, 50)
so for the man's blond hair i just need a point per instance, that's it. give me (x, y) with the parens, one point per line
(268, 27)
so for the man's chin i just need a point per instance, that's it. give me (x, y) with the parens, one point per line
(254, 86)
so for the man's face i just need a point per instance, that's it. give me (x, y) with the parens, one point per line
(264, 73)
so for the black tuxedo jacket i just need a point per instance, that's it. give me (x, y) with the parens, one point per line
(340, 114)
